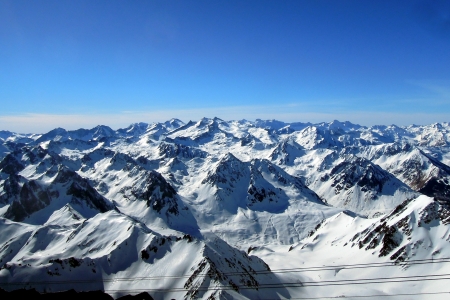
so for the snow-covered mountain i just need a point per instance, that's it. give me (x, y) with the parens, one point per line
(215, 209)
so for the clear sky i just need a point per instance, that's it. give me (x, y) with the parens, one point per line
(76, 64)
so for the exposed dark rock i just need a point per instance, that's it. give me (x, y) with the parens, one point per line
(435, 211)
(230, 169)
(10, 165)
(285, 153)
(83, 191)
(97, 155)
(158, 193)
(316, 228)
(73, 262)
(437, 187)
(361, 172)
(11, 188)
(144, 254)
(33, 195)
(170, 150)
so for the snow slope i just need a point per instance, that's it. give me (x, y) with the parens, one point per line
(403, 254)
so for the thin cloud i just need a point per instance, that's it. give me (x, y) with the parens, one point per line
(440, 88)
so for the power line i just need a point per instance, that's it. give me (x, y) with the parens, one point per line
(399, 279)
(352, 296)
(381, 280)
(305, 284)
(359, 266)
(369, 296)
(277, 286)
(275, 271)
(368, 280)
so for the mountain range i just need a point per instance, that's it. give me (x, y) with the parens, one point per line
(219, 209)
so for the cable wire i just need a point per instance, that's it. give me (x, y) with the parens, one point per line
(254, 273)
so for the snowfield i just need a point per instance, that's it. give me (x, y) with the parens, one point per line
(220, 209)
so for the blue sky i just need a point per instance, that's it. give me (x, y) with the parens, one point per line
(82, 63)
